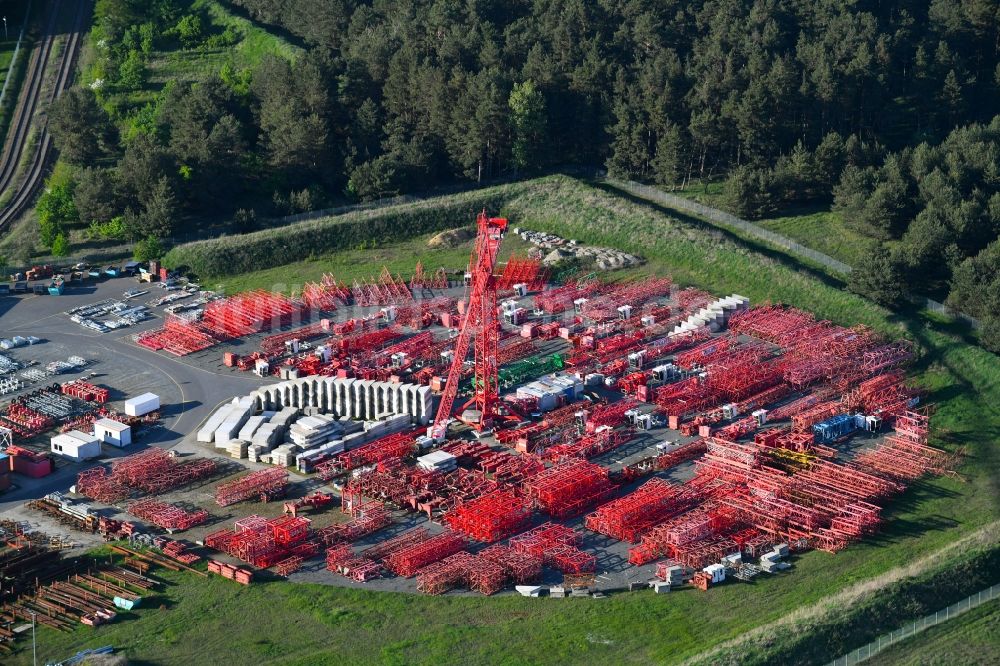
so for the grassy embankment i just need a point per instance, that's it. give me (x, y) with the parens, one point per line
(312, 624)
(967, 639)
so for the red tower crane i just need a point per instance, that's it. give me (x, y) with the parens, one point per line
(482, 324)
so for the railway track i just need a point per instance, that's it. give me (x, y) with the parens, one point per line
(24, 114)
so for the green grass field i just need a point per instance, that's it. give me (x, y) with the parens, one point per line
(823, 231)
(400, 258)
(971, 638)
(217, 621)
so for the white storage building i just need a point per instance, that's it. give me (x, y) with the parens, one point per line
(112, 432)
(76, 445)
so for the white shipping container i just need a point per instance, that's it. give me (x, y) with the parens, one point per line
(142, 404)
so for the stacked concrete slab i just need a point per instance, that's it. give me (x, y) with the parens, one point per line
(715, 315)
(311, 431)
(437, 461)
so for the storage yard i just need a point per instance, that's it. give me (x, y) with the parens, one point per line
(503, 435)
(607, 435)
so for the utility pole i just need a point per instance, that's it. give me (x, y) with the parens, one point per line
(34, 654)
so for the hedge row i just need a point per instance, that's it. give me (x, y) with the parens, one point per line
(233, 255)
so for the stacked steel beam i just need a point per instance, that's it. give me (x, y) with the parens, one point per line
(628, 517)
(570, 488)
(262, 483)
(491, 517)
(167, 516)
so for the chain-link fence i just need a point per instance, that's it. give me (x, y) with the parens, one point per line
(722, 217)
(866, 652)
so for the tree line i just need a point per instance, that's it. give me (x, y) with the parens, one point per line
(935, 210)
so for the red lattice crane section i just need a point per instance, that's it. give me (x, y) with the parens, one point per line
(481, 324)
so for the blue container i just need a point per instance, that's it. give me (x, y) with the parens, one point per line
(834, 428)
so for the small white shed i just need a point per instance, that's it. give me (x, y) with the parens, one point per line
(76, 445)
(113, 432)
(143, 404)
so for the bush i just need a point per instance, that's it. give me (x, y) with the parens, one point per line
(60, 246)
(149, 248)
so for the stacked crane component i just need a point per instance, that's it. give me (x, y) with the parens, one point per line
(491, 517)
(386, 290)
(265, 483)
(25, 421)
(569, 488)
(520, 568)
(85, 391)
(556, 546)
(275, 344)
(178, 336)
(341, 559)
(886, 395)
(631, 295)
(528, 272)
(247, 313)
(326, 294)
(462, 569)
(705, 353)
(407, 349)
(167, 516)
(609, 414)
(482, 324)
(591, 444)
(810, 416)
(680, 454)
(151, 472)
(561, 298)
(684, 536)
(904, 456)
(370, 518)
(390, 447)
(368, 341)
(424, 280)
(514, 349)
(628, 517)
(770, 322)
(265, 543)
(408, 560)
